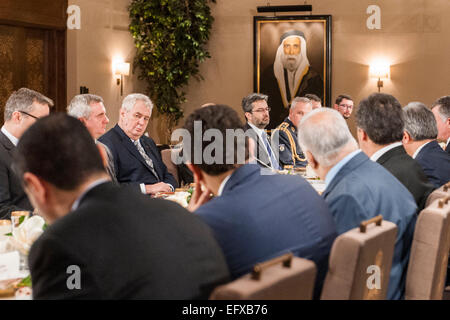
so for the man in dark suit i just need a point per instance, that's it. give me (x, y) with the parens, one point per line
(380, 123)
(257, 113)
(284, 137)
(137, 160)
(256, 217)
(441, 111)
(91, 111)
(22, 109)
(106, 241)
(419, 140)
(358, 189)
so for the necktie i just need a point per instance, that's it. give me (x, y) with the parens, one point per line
(273, 160)
(146, 157)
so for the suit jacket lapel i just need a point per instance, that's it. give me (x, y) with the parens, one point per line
(132, 148)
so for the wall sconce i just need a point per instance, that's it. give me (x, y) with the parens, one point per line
(121, 69)
(381, 70)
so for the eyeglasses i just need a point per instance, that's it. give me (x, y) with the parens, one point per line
(346, 106)
(262, 110)
(30, 115)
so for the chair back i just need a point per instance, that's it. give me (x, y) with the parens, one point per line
(283, 278)
(428, 261)
(439, 193)
(360, 262)
(166, 156)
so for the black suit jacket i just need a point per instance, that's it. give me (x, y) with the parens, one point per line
(435, 163)
(129, 165)
(12, 195)
(260, 150)
(127, 246)
(409, 172)
(447, 148)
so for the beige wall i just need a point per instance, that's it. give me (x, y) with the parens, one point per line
(414, 38)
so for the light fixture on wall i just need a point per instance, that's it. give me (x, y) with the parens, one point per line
(379, 69)
(121, 69)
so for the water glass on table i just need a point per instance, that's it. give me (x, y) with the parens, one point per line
(16, 218)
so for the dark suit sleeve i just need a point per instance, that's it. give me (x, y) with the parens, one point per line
(6, 205)
(49, 262)
(114, 163)
(279, 138)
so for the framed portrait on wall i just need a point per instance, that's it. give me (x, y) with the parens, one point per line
(292, 57)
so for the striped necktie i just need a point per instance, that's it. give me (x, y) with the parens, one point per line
(146, 157)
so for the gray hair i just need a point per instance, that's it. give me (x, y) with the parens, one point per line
(247, 102)
(131, 99)
(80, 106)
(22, 100)
(324, 133)
(420, 122)
(300, 99)
(443, 103)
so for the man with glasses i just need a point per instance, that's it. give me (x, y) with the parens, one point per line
(257, 114)
(137, 160)
(344, 105)
(22, 109)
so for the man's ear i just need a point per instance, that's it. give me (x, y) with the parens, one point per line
(247, 116)
(35, 187)
(83, 120)
(362, 135)
(195, 171)
(335, 107)
(406, 137)
(311, 160)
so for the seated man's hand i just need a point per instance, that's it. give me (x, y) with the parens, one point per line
(199, 197)
(157, 187)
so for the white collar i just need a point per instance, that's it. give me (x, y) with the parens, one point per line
(222, 185)
(377, 155)
(448, 141)
(11, 138)
(420, 148)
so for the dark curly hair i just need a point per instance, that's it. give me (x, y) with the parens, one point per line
(221, 119)
(381, 116)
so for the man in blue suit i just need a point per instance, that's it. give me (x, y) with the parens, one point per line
(441, 111)
(419, 140)
(137, 160)
(255, 217)
(356, 186)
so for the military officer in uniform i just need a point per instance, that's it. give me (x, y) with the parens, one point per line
(284, 137)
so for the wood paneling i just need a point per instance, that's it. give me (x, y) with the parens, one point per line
(33, 49)
(38, 13)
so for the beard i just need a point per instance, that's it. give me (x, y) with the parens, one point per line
(290, 62)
